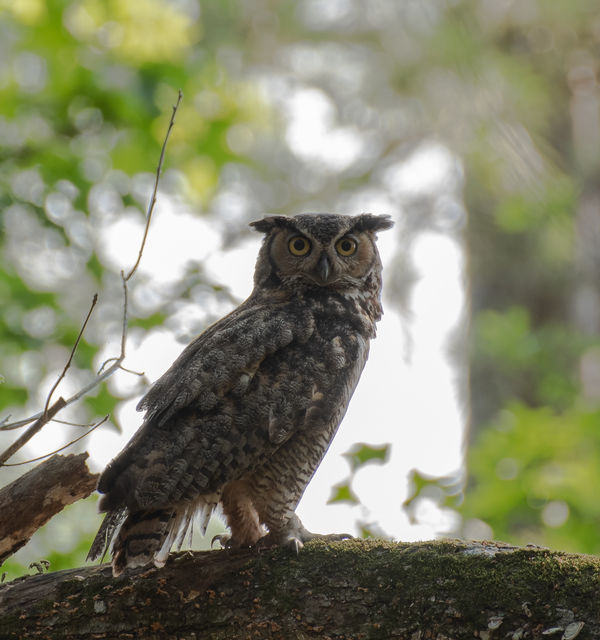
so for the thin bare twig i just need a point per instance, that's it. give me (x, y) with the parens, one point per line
(153, 198)
(71, 424)
(47, 455)
(46, 416)
(116, 361)
(66, 367)
(74, 398)
(43, 417)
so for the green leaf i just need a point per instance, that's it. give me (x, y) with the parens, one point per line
(155, 320)
(343, 493)
(361, 454)
(11, 396)
(95, 267)
(103, 403)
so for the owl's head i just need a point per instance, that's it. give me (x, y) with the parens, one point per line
(318, 251)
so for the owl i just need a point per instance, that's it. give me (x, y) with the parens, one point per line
(244, 416)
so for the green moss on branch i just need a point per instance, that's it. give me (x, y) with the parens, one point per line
(353, 589)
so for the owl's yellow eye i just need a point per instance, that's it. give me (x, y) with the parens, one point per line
(346, 246)
(299, 246)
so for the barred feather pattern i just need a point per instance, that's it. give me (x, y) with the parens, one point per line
(138, 538)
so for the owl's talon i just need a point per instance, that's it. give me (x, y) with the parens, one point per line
(333, 537)
(327, 537)
(223, 539)
(295, 545)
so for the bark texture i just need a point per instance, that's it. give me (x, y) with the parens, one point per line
(354, 589)
(31, 500)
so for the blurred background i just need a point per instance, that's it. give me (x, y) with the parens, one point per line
(475, 124)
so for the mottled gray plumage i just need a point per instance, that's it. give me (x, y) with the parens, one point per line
(245, 414)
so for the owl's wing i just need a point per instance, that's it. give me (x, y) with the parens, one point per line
(158, 462)
(225, 357)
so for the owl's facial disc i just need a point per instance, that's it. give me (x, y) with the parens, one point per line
(335, 258)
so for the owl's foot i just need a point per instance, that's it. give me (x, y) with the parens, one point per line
(230, 542)
(226, 541)
(221, 538)
(294, 535)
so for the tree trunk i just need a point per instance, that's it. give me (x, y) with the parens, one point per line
(353, 589)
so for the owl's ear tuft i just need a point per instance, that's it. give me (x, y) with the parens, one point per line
(370, 222)
(269, 222)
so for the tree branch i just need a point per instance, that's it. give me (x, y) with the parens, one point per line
(31, 500)
(25, 437)
(353, 589)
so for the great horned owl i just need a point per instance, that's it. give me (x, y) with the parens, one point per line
(246, 413)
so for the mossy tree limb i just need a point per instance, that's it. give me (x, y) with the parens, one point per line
(352, 589)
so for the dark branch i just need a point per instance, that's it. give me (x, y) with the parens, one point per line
(353, 589)
(31, 500)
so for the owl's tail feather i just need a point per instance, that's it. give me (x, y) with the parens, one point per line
(141, 538)
(145, 536)
(110, 525)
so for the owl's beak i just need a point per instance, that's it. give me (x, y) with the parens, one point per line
(323, 267)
